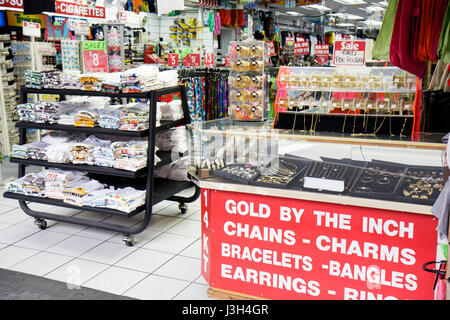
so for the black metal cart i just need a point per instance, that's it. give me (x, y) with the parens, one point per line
(157, 190)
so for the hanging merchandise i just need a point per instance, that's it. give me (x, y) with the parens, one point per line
(70, 55)
(164, 6)
(444, 40)
(56, 33)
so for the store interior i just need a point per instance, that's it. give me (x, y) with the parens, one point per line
(118, 118)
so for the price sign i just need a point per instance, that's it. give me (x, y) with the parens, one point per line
(227, 61)
(349, 53)
(301, 48)
(11, 4)
(172, 60)
(290, 41)
(31, 29)
(209, 60)
(95, 58)
(321, 52)
(271, 48)
(80, 10)
(81, 28)
(192, 60)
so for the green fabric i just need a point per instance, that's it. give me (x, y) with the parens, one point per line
(444, 40)
(211, 21)
(383, 43)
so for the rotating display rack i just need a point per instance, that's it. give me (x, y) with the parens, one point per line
(157, 190)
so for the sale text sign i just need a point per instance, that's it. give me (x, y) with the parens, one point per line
(280, 248)
(95, 57)
(301, 48)
(349, 53)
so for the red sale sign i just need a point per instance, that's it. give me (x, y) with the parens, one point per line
(349, 53)
(271, 48)
(321, 49)
(301, 48)
(192, 60)
(172, 60)
(279, 248)
(227, 61)
(209, 60)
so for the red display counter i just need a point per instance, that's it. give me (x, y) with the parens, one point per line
(285, 244)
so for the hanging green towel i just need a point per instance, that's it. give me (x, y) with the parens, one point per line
(211, 21)
(383, 43)
(444, 40)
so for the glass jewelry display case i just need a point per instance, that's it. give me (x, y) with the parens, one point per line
(356, 100)
(386, 168)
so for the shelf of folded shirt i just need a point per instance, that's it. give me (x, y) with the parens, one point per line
(165, 156)
(165, 125)
(163, 189)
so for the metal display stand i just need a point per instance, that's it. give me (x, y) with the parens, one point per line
(157, 190)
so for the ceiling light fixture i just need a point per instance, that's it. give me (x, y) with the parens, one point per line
(349, 2)
(317, 7)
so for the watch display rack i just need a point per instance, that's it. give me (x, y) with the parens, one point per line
(247, 81)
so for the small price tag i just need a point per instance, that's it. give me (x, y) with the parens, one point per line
(271, 48)
(227, 61)
(172, 60)
(209, 60)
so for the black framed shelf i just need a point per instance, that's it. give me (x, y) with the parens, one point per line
(165, 156)
(156, 190)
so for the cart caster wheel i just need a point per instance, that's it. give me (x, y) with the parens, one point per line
(129, 240)
(183, 208)
(41, 223)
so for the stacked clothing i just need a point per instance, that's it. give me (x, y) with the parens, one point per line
(96, 198)
(148, 77)
(83, 152)
(20, 151)
(90, 83)
(25, 112)
(51, 79)
(34, 184)
(104, 156)
(171, 111)
(126, 199)
(135, 117)
(176, 171)
(129, 83)
(130, 155)
(86, 118)
(111, 82)
(168, 78)
(58, 180)
(70, 80)
(74, 195)
(175, 140)
(67, 114)
(45, 112)
(110, 118)
(15, 186)
(60, 144)
(33, 79)
(37, 151)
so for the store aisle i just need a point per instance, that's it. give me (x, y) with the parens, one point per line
(164, 264)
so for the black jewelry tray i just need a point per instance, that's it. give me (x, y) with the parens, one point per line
(399, 196)
(393, 172)
(222, 174)
(301, 167)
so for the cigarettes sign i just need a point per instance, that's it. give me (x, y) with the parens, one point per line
(73, 9)
(280, 248)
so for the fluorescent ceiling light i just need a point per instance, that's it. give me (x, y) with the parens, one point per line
(373, 8)
(346, 16)
(350, 1)
(293, 13)
(383, 3)
(344, 24)
(317, 7)
(373, 23)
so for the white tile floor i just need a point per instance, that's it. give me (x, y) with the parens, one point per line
(164, 263)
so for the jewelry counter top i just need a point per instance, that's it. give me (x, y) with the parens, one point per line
(223, 185)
